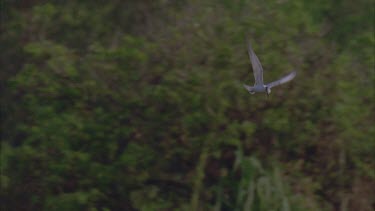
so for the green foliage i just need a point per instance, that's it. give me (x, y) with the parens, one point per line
(139, 105)
(258, 188)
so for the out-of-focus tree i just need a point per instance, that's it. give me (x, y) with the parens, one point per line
(139, 105)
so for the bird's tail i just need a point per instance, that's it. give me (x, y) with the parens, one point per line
(249, 88)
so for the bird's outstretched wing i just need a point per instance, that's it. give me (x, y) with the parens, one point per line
(257, 66)
(282, 80)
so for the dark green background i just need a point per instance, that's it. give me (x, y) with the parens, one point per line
(139, 105)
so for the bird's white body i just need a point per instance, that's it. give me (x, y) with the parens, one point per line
(257, 88)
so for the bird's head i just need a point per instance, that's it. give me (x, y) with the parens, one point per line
(268, 90)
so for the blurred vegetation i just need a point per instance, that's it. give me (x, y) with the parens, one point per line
(139, 105)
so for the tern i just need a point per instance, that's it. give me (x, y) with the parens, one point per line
(259, 86)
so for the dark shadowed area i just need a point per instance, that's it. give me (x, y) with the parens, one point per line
(140, 105)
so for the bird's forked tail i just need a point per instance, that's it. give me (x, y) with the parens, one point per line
(249, 88)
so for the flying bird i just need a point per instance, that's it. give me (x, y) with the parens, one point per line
(259, 86)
